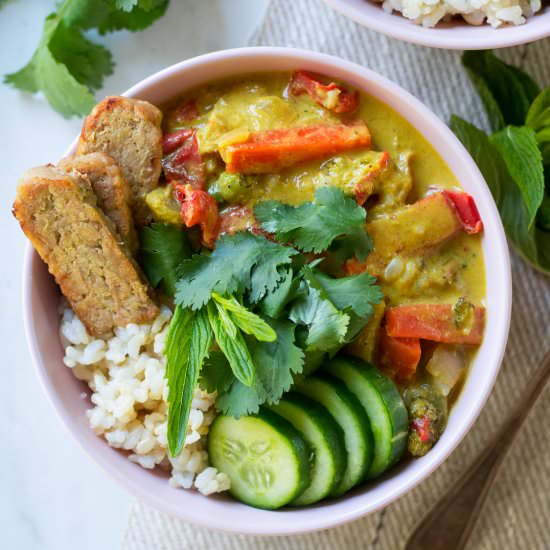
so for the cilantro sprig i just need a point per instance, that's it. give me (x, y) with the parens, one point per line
(270, 309)
(333, 219)
(67, 66)
(515, 158)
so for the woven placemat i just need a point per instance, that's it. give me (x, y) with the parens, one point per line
(516, 515)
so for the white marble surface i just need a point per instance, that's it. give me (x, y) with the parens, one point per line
(52, 496)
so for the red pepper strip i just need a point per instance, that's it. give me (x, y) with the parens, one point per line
(399, 356)
(422, 427)
(330, 96)
(466, 209)
(182, 160)
(435, 322)
(199, 208)
(187, 112)
(174, 140)
(273, 150)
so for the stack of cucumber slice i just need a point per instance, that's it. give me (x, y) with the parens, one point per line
(341, 426)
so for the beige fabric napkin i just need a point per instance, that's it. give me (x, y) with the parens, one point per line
(517, 513)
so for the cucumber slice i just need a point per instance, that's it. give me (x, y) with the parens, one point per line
(324, 437)
(382, 402)
(352, 418)
(266, 459)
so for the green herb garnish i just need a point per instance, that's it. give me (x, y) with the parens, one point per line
(163, 249)
(269, 310)
(333, 219)
(66, 65)
(515, 158)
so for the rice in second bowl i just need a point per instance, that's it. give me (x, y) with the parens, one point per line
(125, 373)
(475, 12)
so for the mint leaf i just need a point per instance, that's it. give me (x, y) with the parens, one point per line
(314, 226)
(511, 89)
(519, 150)
(163, 249)
(327, 326)
(240, 263)
(230, 340)
(538, 116)
(530, 241)
(248, 322)
(187, 344)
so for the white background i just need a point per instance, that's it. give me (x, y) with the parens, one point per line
(52, 496)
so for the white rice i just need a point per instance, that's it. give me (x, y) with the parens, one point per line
(475, 12)
(126, 375)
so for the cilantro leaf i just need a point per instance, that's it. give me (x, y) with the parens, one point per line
(327, 326)
(277, 361)
(163, 249)
(314, 226)
(275, 301)
(231, 341)
(519, 149)
(66, 65)
(239, 263)
(216, 374)
(240, 400)
(276, 364)
(137, 19)
(248, 322)
(187, 345)
(357, 293)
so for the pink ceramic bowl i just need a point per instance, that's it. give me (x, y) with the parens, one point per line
(41, 297)
(456, 35)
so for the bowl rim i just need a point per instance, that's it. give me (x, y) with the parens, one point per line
(484, 37)
(310, 518)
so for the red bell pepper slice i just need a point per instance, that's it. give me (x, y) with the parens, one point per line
(399, 357)
(199, 208)
(332, 96)
(273, 150)
(422, 427)
(187, 112)
(182, 160)
(466, 209)
(435, 322)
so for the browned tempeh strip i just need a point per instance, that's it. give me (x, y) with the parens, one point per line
(59, 214)
(111, 189)
(128, 130)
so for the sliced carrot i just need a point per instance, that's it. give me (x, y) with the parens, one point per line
(273, 150)
(436, 322)
(466, 209)
(332, 96)
(399, 357)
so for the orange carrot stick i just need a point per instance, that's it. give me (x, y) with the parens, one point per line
(273, 150)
